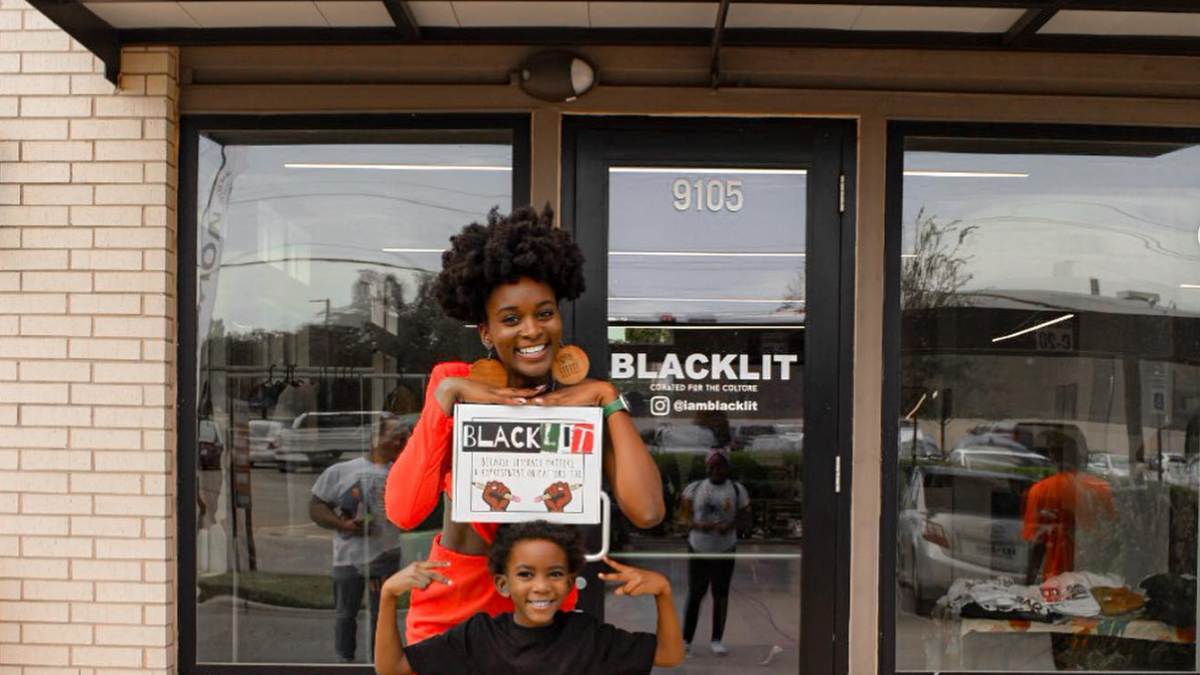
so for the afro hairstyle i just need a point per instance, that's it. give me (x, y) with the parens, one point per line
(522, 244)
(508, 536)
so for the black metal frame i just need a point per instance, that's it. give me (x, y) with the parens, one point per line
(898, 133)
(828, 150)
(105, 41)
(191, 128)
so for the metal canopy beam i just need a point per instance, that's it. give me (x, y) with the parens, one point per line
(402, 16)
(1028, 26)
(714, 62)
(730, 37)
(91, 31)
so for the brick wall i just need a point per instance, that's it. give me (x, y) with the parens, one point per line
(87, 279)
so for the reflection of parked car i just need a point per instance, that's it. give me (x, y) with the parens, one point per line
(915, 444)
(682, 438)
(266, 436)
(786, 436)
(776, 442)
(1108, 465)
(1019, 435)
(997, 458)
(744, 434)
(319, 439)
(210, 447)
(1193, 474)
(1174, 468)
(957, 523)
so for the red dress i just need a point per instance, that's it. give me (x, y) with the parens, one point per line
(414, 485)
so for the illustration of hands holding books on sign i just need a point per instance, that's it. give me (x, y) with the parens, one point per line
(555, 497)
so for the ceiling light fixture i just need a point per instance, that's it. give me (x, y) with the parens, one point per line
(705, 254)
(929, 173)
(412, 250)
(395, 167)
(556, 75)
(1189, 285)
(761, 326)
(1040, 326)
(744, 300)
(688, 169)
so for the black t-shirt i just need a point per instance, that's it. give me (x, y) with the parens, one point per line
(575, 644)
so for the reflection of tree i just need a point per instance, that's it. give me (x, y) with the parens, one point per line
(415, 333)
(426, 336)
(647, 336)
(935, 273)
(931, 279)
(377, 320)
(794, 296)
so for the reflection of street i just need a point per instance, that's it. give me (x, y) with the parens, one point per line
(286, 539)
(294, 562)
(269, 634)
(764, 612)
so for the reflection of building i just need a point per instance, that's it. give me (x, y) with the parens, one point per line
(1117, 368)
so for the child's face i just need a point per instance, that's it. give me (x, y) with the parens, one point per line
(538, 581)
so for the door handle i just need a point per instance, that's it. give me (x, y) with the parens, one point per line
(605, 527)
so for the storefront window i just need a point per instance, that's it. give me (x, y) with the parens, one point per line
(317, 331)
(1049, 406)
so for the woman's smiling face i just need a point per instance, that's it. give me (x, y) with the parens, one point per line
(523, 324)
(537, 579)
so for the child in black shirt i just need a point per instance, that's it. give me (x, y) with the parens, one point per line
(535, 564)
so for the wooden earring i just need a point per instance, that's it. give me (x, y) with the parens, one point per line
(488, 371)
(570, 365)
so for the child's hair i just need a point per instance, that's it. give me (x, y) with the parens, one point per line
(564, 536)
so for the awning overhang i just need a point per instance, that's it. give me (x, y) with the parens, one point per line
(1167, 27)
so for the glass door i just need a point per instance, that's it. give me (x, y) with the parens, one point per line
(717, 314)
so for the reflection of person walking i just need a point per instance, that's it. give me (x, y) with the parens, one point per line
(348, 498)
(712, 507)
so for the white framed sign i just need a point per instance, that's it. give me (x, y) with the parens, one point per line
(513, 464)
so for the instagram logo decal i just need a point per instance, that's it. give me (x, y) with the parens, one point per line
(660, 406)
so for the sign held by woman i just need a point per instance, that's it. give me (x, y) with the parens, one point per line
(513, 463)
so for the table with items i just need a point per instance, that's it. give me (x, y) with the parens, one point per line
(1083, 604)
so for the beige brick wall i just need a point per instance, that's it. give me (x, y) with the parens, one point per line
(87, 294)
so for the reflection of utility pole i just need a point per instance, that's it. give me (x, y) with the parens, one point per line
(328, 349)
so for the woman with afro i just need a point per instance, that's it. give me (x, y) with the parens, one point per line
(508, 278)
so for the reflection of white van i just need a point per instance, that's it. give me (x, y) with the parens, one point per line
(319, 439)
(266, 437)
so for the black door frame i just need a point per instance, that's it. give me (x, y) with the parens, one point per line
(268, 130)
(826, 148)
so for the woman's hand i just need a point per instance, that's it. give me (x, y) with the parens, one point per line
(417, 575)
(460, 389)
(588, 392)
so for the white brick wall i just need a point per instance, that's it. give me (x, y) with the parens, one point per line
(87, 277)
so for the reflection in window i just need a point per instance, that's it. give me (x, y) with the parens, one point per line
(706, 315)
(317, 332)
(1050, 404)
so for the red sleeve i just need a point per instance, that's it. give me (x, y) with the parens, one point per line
(414, 484)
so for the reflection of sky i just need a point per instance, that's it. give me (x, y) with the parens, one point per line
(295, 235)
(1129, 222)
(644, 218)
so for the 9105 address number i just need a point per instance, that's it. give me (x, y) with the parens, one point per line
(712, 194)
